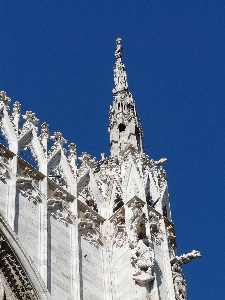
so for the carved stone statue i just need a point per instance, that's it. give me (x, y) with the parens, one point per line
(179, 282)
(142, 259)
(178, 276)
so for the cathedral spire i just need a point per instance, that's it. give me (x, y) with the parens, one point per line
(125, 128)
(120, 76)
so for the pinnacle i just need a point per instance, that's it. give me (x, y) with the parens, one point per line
(120, 76)
(118, 54)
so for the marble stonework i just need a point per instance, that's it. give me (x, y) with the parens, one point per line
(102, 230)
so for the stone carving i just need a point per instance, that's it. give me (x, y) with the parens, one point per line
(69, 265)
(44, 130)
(137, 229)
(152, 163)
(161, 176)
(29, 173)
(155, 228)
(86, 163)
(179, 283)
(72, 158)
(119, 218)
(89, 229)
(29, 145)
(119, 236)
(58, 139)
(171, 238)
(3, 129)
(72, 150)
(17, 278)
(5, 100)
(29, 189)
(5, 170)
(120, 76)
(56, 173)
(59, 195)
(30, 117)
(186, 258)
(142, 259)
(16, 109)
(25, 136)
(90, 202)
(59, 210)
(178, 276)
(86, 160)
(28, 137)
(7, 127)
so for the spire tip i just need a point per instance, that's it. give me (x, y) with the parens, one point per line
(119, 49)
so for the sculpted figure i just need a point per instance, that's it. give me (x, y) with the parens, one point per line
(137, 225)
(179, 282)
(142, 259)
(178, 276)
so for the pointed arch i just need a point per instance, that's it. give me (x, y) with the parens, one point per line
(17, 269)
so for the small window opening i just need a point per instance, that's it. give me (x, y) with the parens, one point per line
(122, 127)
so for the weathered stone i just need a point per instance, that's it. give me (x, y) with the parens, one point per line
(99, 231)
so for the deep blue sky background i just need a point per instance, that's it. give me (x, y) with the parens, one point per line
(57, 60)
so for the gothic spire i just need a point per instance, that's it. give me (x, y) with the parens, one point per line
(120, 76)
(125, 128)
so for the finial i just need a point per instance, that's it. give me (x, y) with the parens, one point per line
(16, 109)
(120, 76)
(72, 150)
(44, 130)
(4, 99)
(118, 54)
(30, 117)
(58, 139)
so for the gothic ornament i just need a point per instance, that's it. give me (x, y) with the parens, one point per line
(89, 229)
(136, 224)
(30, 117)
(29, 189)
(5, 170)
(155, 228)
(142, 260)
(178, 276)
(58, 208)
(17, 278)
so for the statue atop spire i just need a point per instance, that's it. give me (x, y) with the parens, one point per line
(118, 54)
(120, 76)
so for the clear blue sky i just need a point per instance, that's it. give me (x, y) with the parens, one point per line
(57, 61)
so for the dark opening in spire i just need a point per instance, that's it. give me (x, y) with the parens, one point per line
(122, 127)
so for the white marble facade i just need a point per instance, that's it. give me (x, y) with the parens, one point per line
(99, 231)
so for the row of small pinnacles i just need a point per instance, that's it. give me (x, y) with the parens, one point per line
(17, 139)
